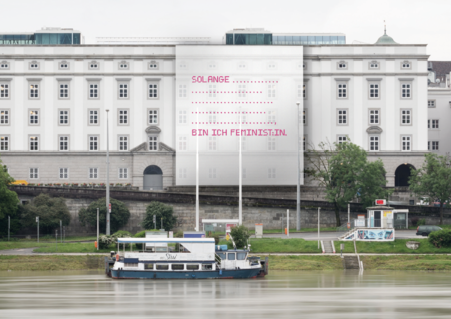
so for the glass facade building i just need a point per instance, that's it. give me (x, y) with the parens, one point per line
(249, 38)
(308, 39)
(40, 39)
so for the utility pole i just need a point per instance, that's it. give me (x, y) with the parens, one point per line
(9, 224)
(298, 186)
(37, 221)
(97, 228)
(107, 176)
(61, 230)
(319, 215)
(240, 187)
(197, 171)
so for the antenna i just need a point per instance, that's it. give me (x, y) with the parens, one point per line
(385, 28)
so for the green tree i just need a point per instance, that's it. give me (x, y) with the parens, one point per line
(433, 180)
(8, 198)
(240, 235)
(160, 211)
(118, 218)
(345, 174)
(50, 211)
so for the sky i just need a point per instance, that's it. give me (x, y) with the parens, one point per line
(408, 22)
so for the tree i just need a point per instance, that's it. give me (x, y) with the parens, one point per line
(344, 172)
(50, 211)
(8, 198)
(240, 235)
(160, 211)
(433, 180)
(118, 218)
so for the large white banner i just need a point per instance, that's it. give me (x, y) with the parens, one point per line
(228, 93)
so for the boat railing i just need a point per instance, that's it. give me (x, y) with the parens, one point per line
(218, 261)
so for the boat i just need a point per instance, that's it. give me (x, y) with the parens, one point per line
(182, 258)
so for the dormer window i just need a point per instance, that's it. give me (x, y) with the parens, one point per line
(123, 65)
(242, 65)
(4, 65)
(93, 65)
(342, 65)
(182, 65)
(153, 65)
(374, 65)
(406, 65)
(34, 65)
(304, 66)
(64, 65)
(212, 65)
(272, 66)
(153, 133)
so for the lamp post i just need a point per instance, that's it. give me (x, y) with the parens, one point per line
(298, 195)
(107, 176)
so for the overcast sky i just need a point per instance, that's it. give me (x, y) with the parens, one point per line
(408, 22)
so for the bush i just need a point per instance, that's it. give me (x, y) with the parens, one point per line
(160, 211)
(106, 241)
(414, 221)
(440, 238)
(122, 234)
(118, 218)
(216, 237)
(141, 234)
(240, 236)
(421, 222)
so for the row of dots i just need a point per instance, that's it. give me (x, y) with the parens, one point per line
(272, 123)
(200, 92)
(232, 102)
(255, 82)
(228, 112)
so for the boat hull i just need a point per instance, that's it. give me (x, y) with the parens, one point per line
(213, 274)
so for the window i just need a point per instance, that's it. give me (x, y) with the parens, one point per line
(177, 266)
(93, 65)
(93, 118)
(162, 267)
(374, 117)
(241, 256)
(212, 90)
(271, 173)
(63, 117)
(406, 90)
(64, 90)
(33, 65)
(153, 65)
(342, 90)
(123, 65)
(122, 117)
(182, 173)
(272, 66)
(374, 65)
(123, 143)
(304, 66)
(34, 91)
(4, 65)
(342, 65)
(431, 103)
(182, 143)
(405, 143)
(63, 143)
(271, 143)
(64, 173)
(4, 90)
(271, 117)
(212, 65)
(153, 91)
(34, 143)
(192, 267)
(93, 172)
(342, 139)
(271, 90)
(406, 117)
(123, 90)
(34, 173)
(243, 143)
(93, 143)
(93, 91)
(4, 143)
(4, 117)
(301, 91)
(153, 143)
(374, 90)
(212, 118)
(434, 145)
(434, 124)
(374, 143)
(342, 117)
(241, 90)
(212, 173)
(132, 265)
(63, 65)
(304, 117)
(123, 173)
(212, 143)
(153, 117)
(406, 65)
(34, 117)
(182, 90)
(242, 65)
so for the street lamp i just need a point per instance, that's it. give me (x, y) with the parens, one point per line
(107, 177)
(298, 196)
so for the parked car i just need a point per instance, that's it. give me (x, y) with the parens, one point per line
(436, 203)
(425, 230)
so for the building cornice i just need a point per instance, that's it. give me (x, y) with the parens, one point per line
(364, 56)
(366, 74)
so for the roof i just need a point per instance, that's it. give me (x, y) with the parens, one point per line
(385, 39)
(166, 240)
(440, 67)
(380, 208)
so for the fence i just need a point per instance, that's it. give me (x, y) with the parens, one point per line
(373, 223)
(44, 237)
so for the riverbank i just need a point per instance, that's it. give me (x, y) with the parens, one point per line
(276, 262)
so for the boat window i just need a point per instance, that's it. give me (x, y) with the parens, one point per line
(221, 255)
(148, 266)
(231, 256)
(241, 256)
(192, 267)
(207, 266)
(178, 266)
(131, 265)
(162, 267)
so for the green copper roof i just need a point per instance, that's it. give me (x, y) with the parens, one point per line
(385, 39)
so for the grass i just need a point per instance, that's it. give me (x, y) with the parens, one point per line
(50, 262)
(432, 262)
(277, 245)
(72, 248)
(304, 262)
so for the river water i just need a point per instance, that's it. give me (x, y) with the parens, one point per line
(283, 294)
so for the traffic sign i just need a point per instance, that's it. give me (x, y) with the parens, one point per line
(381, 202)
(154, 219)
(109, 208)
(37, 219)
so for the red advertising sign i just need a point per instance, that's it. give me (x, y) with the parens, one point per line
(381, 202)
